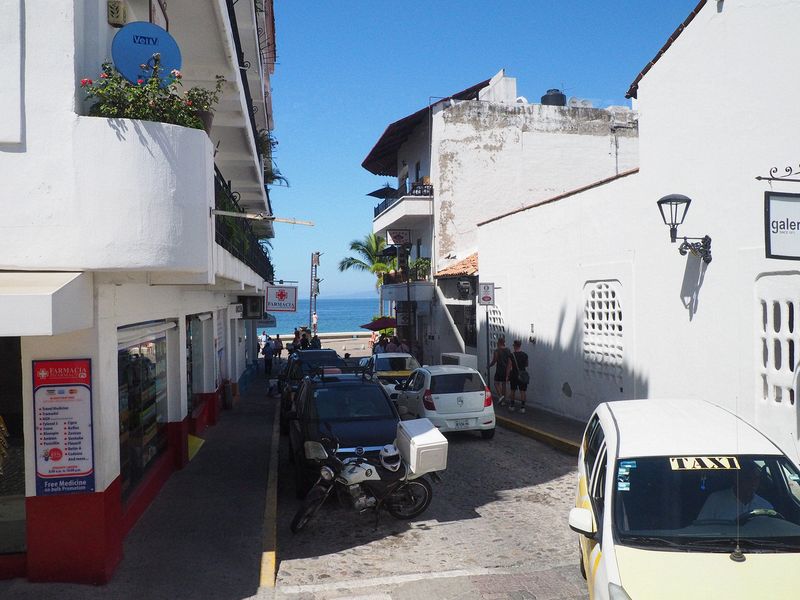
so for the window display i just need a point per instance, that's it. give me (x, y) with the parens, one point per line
(142, 408)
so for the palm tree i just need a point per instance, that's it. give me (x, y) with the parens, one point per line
(368, 258)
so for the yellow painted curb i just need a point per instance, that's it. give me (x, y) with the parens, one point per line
(555, 441)
(269, 542)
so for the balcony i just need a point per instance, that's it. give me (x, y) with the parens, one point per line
(404, 209)
(236, 235)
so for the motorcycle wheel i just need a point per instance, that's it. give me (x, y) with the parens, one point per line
(315, 499)
(410, 500)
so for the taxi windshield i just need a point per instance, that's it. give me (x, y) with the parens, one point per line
(708, 503)
(396, 363)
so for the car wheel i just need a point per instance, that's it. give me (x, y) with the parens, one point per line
(487, 434)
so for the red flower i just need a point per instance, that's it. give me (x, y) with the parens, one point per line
(188, 103)
(103, 75)
(85, 82)
(140, 81)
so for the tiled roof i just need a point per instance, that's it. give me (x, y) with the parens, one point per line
(463, 268)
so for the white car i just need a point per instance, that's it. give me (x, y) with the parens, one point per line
(683, 499)
(454, 398)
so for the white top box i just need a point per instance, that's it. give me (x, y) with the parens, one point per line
(422, 446)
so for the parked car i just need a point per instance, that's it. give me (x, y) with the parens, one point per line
(350, 407)
(299, 365)
(391, 368)
(453, 397)
(683, 499)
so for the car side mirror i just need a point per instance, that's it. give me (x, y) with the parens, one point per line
(315, 451)
(581, 521)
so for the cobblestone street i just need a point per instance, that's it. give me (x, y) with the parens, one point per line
(497, 528)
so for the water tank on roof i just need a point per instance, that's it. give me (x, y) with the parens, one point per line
(554, 98)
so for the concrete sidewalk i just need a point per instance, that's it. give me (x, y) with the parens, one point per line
(202, 535)
(562, 433)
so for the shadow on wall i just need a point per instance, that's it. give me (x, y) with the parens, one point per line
(565, 382)
(693, 276)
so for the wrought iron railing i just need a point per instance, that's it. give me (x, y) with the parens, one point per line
(417, 189)
(244, 65)
(235, 234)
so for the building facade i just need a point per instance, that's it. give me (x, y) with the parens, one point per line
(478, 153)
(605, 304)
(123, 297)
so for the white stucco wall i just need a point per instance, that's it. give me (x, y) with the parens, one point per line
(491, 158)
(709, 124)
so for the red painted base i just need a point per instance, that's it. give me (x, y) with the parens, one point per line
(177, 436)
(74, 537)
(12, 565)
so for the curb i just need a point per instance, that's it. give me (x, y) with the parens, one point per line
(552, 440)
(269, 544)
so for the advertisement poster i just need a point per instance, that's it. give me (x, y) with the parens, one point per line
(62, 409)
(281, 298)
(486, 294)
(782, 225)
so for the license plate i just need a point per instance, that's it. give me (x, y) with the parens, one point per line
(462, 423)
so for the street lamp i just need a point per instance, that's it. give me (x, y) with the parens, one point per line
(673, 209)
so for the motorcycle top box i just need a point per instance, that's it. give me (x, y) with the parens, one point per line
(422, 446)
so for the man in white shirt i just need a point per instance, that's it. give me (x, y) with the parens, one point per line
(729, 503)
(267, 351)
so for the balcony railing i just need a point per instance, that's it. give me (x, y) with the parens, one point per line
(417, 189)
(235, 234)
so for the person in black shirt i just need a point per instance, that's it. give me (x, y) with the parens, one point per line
(519, 376)
(501, 358)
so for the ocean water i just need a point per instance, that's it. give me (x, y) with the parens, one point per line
(334, 315)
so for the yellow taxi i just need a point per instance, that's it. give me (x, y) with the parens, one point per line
(391, 368)
(681, 499)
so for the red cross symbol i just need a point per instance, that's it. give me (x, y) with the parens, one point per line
(281, 295)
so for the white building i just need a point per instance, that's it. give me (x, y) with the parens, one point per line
(607, 307)
(481, 152)
(109, 253)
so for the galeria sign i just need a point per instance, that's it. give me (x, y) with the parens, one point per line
(62, 413)
(281, 298)
(782, 225)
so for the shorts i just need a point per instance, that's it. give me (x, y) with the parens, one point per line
(517, 385)
(500, 378)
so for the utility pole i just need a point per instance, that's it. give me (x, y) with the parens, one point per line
(314, 291)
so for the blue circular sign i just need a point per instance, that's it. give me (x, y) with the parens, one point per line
(134, 46)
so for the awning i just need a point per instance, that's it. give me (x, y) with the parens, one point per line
(45, 303)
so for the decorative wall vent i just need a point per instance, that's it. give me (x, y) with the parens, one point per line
(603, 350)
(777, 338)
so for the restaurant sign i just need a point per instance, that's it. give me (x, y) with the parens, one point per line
(62, 412)
(782, 225)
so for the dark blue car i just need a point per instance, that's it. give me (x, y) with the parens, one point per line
(355, 409)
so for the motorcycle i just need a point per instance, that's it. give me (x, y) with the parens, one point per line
(364, 485)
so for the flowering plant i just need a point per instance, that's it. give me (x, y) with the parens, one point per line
(154, 97)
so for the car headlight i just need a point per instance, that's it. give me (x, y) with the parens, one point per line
(326, 473)
(617, 592)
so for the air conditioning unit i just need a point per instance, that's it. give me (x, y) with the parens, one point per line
(253, 307)
(459, 358)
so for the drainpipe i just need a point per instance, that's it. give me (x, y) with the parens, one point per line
(442, 300)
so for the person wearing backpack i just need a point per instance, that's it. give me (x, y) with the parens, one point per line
(501, 358)
(519, 377)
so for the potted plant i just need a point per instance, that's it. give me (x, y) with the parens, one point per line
(203, 101)
(420, 268)
(154, 97)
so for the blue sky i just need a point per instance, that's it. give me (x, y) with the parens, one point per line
(347, 69)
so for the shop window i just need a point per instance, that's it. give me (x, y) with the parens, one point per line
(603, 350)
(142, 377)
(12, 449)
(777, 338)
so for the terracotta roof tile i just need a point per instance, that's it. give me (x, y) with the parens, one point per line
(463, 268)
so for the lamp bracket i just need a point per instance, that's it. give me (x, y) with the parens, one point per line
(700, 248)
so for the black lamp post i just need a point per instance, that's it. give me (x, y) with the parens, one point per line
(673, 210)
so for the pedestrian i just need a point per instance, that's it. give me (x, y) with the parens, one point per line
(519, 376)
(304, 343)
(373, 339)
(267, 351)
(404, 347)
(295, 341)
(316, 344)
(380, 347)
(501, 358)
(314, 321)
(393, 345)
(278, 346)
